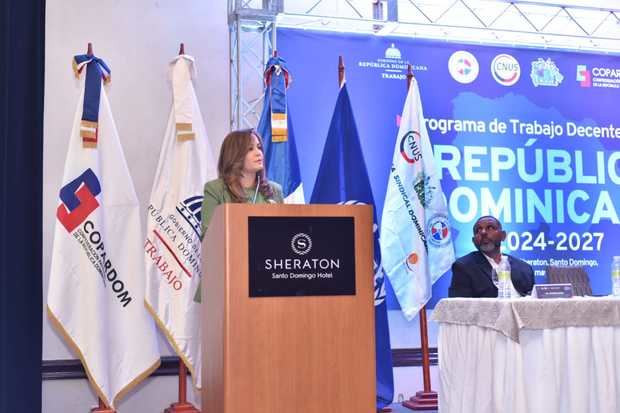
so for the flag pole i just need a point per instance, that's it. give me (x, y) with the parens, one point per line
(182, 405)
(427, 398)
(102, 408)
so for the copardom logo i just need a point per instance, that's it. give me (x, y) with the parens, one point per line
(77, 203)
(505, 69)
(439, 230)
(78, 200)
(545, 73)
(598, 77)
(410, 147)
(301, 243)
(584, 77)
(463, 67)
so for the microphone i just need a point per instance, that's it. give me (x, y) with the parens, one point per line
(257, 185)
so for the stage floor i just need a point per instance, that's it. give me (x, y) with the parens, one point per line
(398, 408)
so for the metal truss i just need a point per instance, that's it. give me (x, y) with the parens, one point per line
(592, 26)
(252, 35)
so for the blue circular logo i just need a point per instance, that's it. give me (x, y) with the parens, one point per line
(439, 230)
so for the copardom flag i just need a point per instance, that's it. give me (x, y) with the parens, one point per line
(96, 287)
(276, 129)
(172, 245)
(342, 178)
(416, 240)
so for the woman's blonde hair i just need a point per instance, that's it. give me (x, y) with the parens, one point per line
(230, 164)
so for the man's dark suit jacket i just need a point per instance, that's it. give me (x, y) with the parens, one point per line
(471, 276)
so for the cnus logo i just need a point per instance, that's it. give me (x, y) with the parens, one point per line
(505, 69)
(410, 147)
(78, 200)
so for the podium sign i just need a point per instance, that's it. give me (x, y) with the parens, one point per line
(301, 256)
(305, 343)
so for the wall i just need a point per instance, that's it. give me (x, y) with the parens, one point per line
(137, 39)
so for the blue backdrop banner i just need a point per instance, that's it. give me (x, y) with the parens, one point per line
(530, 136)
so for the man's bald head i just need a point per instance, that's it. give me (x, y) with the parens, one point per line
(488, 235)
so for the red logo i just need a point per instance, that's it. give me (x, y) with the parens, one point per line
(78, 200)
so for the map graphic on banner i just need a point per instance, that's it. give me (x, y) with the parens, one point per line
(530, 136)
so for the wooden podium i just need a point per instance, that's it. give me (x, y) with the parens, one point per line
(304, 353)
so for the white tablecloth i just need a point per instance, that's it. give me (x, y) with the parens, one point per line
(565, 369)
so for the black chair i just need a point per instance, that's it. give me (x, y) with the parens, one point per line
(576, 276)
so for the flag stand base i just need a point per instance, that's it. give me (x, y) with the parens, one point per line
(181, 408)
(423, 400)
(102, 408)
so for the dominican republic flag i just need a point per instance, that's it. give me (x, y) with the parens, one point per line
(276, 129)
(343, 179)
(96, 287)
(172, 245)
(416, 241)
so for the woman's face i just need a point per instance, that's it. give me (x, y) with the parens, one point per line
(254, 157)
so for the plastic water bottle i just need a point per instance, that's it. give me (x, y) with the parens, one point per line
(615, 276)
(503, 277)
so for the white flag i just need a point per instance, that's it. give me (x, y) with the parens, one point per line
(416, 241)
(172, 245)
(96, 287)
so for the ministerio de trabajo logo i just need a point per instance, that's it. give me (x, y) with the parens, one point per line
(191, 210)
(463, 67)
(392, 52)
(391, 64)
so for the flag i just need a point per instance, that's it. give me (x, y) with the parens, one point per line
(416, 242)
(172, 245)
(343, 179)
(276, 129)
(96, 286)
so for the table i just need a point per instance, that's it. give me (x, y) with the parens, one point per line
(528, 355)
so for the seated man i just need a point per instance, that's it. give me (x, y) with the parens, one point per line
(472, 274)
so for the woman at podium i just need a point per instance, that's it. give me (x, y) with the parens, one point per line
(242, 177)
